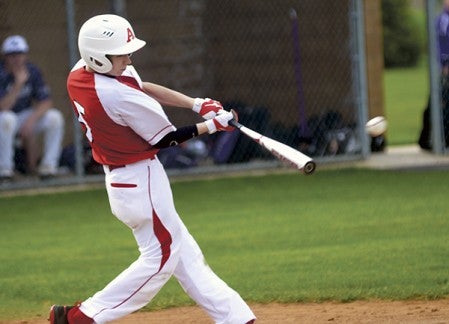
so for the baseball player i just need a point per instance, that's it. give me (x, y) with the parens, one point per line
(126, 126)
(26, 110)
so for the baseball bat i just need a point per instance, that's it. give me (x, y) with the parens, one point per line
(283, 152)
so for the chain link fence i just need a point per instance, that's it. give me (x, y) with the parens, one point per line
(293, 70)
(288, 68)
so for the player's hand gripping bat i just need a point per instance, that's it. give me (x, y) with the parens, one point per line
(283, 152)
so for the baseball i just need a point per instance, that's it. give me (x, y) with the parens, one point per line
(376, 126)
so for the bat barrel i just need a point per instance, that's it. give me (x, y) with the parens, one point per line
(281, 151)
(309, 167)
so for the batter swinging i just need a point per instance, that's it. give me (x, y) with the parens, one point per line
(126, 126)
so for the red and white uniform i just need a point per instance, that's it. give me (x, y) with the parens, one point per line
(122, 124)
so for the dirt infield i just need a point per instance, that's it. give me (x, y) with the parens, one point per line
(356, 312)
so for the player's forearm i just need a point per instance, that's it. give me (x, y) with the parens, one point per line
(40, 108)
(168, 97)
(202, 128)
(182, 134)
(8, 101)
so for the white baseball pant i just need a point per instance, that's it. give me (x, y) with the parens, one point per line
(51, 125)
(140, 196)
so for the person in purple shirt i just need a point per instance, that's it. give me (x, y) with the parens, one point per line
(442, 29)
(26, 110)
(442, 33)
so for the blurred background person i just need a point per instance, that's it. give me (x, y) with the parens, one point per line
(442, 33)
(26, 110)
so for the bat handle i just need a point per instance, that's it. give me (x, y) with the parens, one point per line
(235, 123)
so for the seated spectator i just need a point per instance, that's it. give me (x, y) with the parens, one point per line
(26, 110)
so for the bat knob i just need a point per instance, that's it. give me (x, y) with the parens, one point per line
(309, 167)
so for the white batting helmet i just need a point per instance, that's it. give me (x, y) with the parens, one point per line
(106, 35)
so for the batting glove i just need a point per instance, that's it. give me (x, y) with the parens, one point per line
(220, 122)
(207, 108)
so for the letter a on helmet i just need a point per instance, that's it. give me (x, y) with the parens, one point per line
(106, 35)
(130, 35)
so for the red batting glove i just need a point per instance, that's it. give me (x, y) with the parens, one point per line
(221, 122)
(207, 108)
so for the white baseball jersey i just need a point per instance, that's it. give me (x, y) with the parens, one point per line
(122, 111)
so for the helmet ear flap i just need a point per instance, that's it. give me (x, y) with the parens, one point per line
(102, 65)
(98, 62)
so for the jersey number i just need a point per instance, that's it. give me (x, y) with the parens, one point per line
(81, 119)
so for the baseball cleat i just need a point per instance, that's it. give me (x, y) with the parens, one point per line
(58, 314)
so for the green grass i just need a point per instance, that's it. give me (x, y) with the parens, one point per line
(337, 235)
(406, 94)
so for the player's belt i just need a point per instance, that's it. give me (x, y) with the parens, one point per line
(113, 167)
(118, 166)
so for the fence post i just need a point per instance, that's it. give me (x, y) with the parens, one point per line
(360, 83)
(118, 7)
(73, 58)
(434, 77)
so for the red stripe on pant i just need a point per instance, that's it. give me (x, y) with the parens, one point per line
(165, 239)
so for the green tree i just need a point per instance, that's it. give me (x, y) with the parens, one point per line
(402, 35)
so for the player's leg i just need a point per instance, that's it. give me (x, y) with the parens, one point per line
(198, 280)
(8, 129)
(28, 143)
(32, 153)
(135, 194)
(52, 126)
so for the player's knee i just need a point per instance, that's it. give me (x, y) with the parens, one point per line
(8, 122)
(54, 118)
